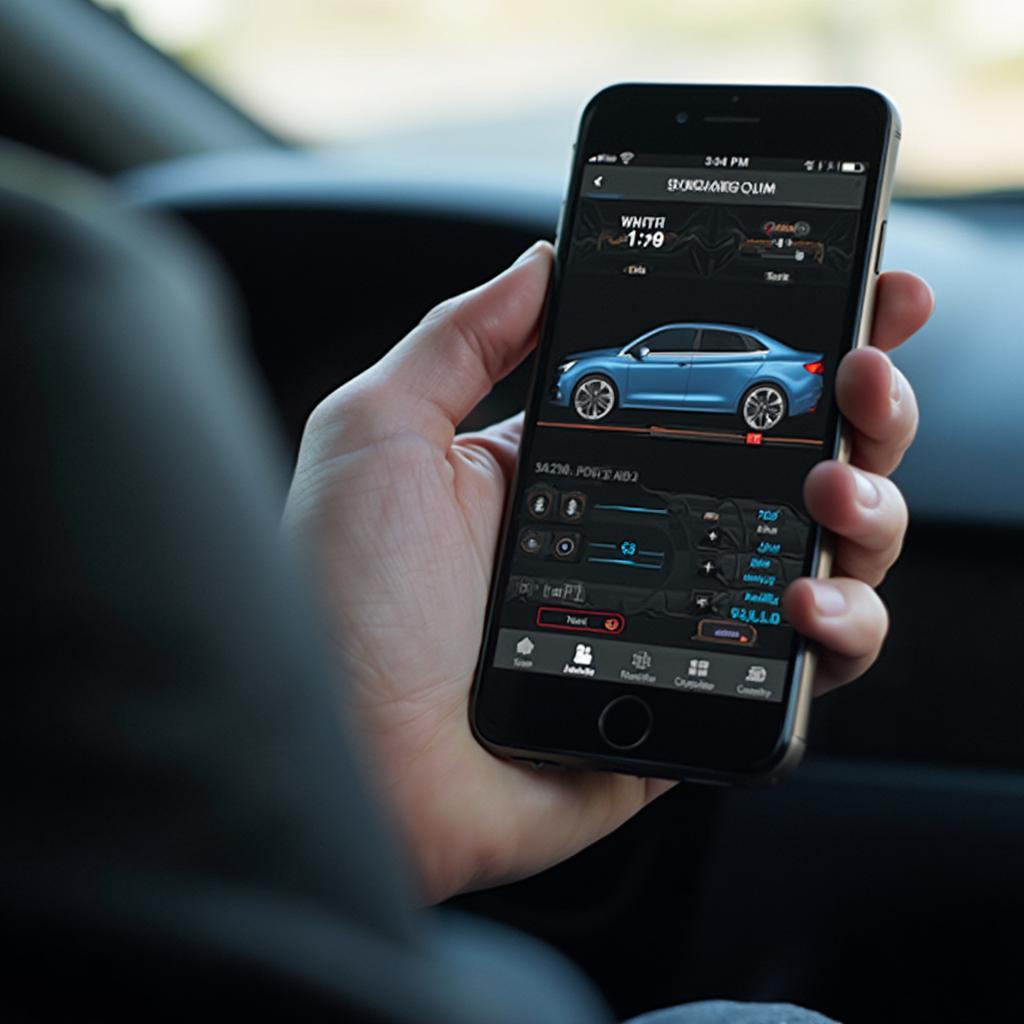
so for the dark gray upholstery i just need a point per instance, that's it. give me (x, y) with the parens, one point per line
(184, 828)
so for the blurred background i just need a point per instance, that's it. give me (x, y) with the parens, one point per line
(426, 144)
(468, 87)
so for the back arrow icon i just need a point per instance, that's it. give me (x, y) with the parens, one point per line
(599, 181)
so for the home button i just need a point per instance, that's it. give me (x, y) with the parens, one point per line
(625, 722)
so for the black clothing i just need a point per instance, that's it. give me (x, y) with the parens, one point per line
(184, 830)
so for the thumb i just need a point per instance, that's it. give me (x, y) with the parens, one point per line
(432, 378)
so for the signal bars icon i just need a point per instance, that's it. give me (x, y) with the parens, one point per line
(610, 158)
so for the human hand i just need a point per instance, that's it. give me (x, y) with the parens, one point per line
(403, 516)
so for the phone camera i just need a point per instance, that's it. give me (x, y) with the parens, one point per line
(735, 97)
(682, 117)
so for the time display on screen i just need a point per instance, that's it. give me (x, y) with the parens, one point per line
(715, 160)
(636, 239)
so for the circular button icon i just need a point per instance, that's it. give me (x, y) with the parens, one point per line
(531, 541)
(565, 546)
(539, 502)
(572, 507)
(625, 722)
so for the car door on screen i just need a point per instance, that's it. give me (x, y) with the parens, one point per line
(724, 364)
(660, 371)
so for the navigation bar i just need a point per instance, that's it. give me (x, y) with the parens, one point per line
(674, 668)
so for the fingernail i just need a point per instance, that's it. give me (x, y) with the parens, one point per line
(868, 495)
(931, 295)
(527, 254)
(895, 385)
(828, 599)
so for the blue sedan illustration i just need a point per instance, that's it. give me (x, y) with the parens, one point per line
(694, 367)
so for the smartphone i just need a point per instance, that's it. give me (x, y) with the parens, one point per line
(716, 256)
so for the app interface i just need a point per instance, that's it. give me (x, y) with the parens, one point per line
(687, 389)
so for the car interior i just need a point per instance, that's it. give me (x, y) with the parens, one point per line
(883, 882)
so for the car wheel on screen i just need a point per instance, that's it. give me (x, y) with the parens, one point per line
(763, 407)
(593, 398)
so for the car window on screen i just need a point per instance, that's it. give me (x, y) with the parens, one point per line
(672, 341)
(722, 341)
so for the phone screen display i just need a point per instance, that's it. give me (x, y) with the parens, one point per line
(686, 389)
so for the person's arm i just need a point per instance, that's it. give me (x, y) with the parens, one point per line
(403, 517)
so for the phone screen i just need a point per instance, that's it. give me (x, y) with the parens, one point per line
(686, 388)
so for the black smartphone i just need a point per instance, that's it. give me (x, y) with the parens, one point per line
(716, 256)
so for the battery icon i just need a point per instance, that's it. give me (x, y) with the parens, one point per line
(852, 167)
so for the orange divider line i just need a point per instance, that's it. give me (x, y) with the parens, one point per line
(593, 426)
(680, 432)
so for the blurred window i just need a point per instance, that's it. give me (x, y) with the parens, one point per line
(482, 84)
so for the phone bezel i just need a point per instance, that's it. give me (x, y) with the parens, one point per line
(553, 718)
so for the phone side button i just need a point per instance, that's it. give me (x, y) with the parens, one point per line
(625, 722)
(881, 246)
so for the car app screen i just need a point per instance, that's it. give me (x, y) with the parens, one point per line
(686, 389)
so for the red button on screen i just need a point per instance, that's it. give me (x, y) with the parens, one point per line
(606, 623)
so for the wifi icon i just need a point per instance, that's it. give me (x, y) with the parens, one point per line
(626, 157)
